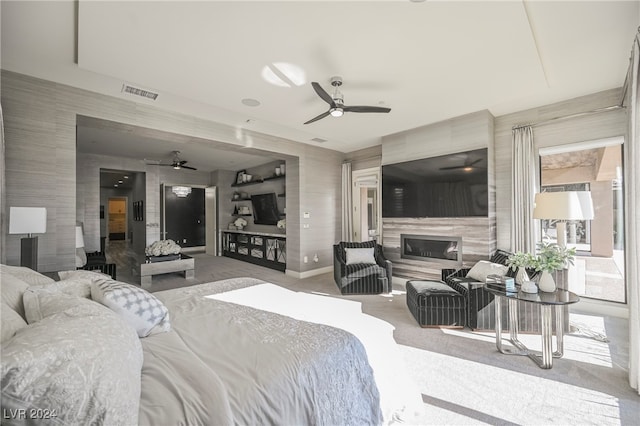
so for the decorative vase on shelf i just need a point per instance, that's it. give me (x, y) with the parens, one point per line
(522, 276)
(547, 283)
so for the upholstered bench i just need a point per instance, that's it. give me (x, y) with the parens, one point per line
(435, 304)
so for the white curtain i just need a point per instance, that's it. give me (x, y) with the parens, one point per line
(523, 174)
(347, 203)
(3, 194)
(632, 215)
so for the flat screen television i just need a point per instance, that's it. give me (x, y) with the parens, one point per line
(453, 185)
(265, 209)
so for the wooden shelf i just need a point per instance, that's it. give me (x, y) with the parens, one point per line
(274, 177)
(253, 182)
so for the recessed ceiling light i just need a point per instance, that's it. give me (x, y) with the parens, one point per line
(115, 185)
(251, 102)
(126, 177)
(120, 181)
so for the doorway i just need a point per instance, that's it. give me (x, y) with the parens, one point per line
(367, 207)
(117, 225)
(594, 166)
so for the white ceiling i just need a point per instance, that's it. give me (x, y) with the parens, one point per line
(427, 61)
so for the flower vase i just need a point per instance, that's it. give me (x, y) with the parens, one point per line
(522, 276)
(547, 283)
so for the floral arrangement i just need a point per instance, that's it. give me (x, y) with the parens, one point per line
(282, 224)
(550, 257)
(240, 223)
(162, 248)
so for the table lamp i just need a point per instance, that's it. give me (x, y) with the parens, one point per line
(28, 220)
(563, 206)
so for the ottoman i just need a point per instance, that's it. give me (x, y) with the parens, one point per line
(435, 304)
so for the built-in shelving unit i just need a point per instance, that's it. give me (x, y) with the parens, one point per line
(264, 249)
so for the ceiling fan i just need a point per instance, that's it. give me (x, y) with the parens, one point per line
(467, 166)
(336, 102)
(177, 163)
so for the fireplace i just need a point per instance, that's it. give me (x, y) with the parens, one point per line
(432, 248)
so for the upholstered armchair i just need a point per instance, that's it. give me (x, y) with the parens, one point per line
(480, 306)
(479, 314)
(361, 271)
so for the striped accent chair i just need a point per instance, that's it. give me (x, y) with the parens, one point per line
(361, 278)
(480, 312)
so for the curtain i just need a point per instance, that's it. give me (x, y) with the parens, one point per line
(523, 177)
(3, 194)
(632, 214)
(347, 203)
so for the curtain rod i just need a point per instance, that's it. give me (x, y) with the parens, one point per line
(565, 117)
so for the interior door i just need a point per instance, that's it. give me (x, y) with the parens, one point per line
(117, 225)
(184, 217)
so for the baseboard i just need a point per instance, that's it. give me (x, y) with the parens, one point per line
(307, 274)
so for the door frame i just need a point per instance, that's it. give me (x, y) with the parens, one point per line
(163, 216)
(366, 178)
(126, 215)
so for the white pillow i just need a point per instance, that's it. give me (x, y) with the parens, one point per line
(82, 274)
(483, 268)
(27, 275)
(11, 290)
(82, 366)
(139, 308)
(10, 322)
(359, 255)
(41, 302)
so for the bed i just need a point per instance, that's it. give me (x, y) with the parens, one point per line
(237, 351)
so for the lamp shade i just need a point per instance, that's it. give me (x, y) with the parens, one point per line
(27, 220)
(567, 205)
(79, 237)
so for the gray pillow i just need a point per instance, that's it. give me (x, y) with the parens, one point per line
(359, 255)
(483, 268)
(81, 366)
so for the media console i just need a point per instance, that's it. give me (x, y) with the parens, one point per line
(261, 248)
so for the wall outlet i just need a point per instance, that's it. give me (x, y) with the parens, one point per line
(305, 259)
(316, 258)
(305, 226)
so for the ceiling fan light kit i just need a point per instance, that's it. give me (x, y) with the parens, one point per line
(336, 102)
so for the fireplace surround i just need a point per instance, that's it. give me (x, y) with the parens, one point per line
(445, 250)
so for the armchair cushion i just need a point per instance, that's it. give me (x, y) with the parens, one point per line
(360, 255)
(483, 268)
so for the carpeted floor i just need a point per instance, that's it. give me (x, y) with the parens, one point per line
(462, 377)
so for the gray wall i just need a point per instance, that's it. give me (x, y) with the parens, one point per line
(40, 120)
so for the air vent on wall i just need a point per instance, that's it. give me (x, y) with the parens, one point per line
(319, 140)
(126, 88)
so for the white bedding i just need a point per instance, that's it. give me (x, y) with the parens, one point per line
(399, 396)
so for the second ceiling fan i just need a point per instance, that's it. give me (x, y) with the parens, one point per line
(336, 102)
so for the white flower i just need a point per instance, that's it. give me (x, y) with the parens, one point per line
(282, 223)
(162, 248)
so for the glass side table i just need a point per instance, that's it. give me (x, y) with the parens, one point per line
(548, 302)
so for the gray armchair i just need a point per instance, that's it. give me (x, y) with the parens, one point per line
(361, 278)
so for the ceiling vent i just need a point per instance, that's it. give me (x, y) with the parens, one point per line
(126, 88)
(319, 140)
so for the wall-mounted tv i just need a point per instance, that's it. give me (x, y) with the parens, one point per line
(453, 185)
(265, 209)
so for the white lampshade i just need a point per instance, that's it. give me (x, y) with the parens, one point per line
(567, 205)
(79, 237)
(27, 220)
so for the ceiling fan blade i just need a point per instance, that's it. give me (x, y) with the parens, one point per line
(322, 93)
(475, 162)
(182, 163)
(188, 167)
(323, 115)
(453, 167)
(366, 109)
